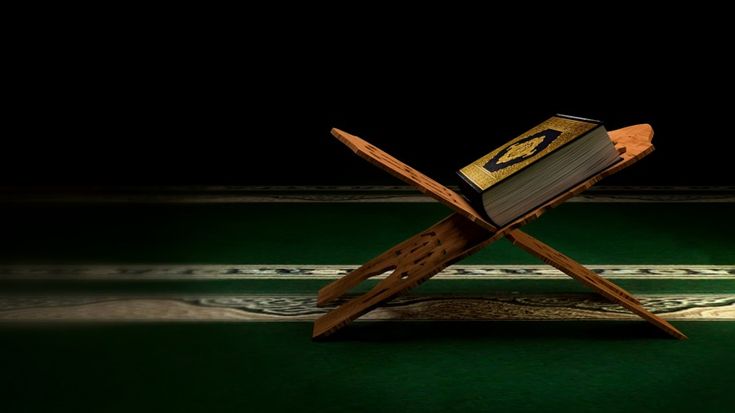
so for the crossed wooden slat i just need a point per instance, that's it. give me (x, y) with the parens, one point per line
(465, 232)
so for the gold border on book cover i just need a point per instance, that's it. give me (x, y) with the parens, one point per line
(570, 129)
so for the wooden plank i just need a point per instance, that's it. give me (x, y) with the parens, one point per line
(407, 174)
(590, 279)
(412, 262)
(399, 255)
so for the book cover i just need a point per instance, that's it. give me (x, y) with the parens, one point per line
(526, 149)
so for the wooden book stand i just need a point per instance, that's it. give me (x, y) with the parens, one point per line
(465, 232)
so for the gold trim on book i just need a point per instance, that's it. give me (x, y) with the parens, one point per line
(484, 179)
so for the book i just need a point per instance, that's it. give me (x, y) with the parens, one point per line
(537, 166)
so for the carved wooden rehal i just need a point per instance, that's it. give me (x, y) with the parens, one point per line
(464, 232)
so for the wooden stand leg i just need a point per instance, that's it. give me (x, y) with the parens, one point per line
(402, 254)
(412, 261)
(587, 277)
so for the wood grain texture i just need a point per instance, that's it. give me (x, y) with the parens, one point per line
(410, 262)
(404, 172)
(402, 255)
(577, 271)
(388, 259)
(417, 259)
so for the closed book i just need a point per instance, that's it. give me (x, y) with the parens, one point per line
(537, 166)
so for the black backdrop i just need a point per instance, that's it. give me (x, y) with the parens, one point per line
(210, 115)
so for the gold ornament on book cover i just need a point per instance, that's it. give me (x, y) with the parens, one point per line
(528, 149)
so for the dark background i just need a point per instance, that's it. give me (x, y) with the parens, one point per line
(235, 107)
